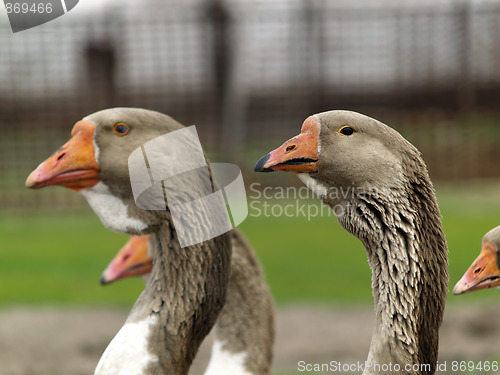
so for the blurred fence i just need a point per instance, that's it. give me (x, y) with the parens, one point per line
(248, 72)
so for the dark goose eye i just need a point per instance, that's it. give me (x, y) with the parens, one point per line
(346, 130)
(121, 128)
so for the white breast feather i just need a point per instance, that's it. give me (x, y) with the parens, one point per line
(223, 362)
(128, 352)
(111, 209)
(318, 188)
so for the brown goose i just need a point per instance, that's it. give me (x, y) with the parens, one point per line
(484, 272)
(187, 288)
(378, 186)
(244, 332)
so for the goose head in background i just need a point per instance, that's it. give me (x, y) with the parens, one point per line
(484, 272)
(133, 259)
(379, 187)
(187, 288)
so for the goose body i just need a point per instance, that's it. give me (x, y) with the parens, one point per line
(484, 272)
(244, 332)
(187, 287)
(379, 187)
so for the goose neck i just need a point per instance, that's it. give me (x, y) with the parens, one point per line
(184, 295)
(406, 252)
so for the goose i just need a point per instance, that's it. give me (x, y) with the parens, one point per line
(246, 322)
(187, 287)
(484, 272)
(378, 186)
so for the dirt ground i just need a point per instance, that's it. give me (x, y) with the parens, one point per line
(57, 341)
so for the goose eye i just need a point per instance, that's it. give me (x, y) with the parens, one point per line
(346, 130)
(121, 128)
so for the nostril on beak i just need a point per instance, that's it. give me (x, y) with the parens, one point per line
(477, 270)
(61, 156)
(291, 148)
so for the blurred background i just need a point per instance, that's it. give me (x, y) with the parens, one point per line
(247, 73)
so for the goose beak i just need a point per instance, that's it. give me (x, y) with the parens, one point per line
(483, 273)
(299, 154)
(131, 260)
(73, 165)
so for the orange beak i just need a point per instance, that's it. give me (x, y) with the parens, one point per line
(482, 274)
(299, 154)
(131, 260)
(73, 165)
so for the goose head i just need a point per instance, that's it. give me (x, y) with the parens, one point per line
(484, 272)
(133, 259)
(345, 157)
(341, 149)
(94, 162)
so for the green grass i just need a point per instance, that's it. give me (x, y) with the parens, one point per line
(57, 257)
(49, 257)
(309, 260)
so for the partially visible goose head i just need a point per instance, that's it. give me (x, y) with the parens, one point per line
(484, 272)
(379, 187)
(133, 259)
(94, 162)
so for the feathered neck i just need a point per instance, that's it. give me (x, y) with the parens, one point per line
(401, 230)
(176, 310)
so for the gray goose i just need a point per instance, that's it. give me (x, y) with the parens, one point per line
(484, 272)
(379, 187)
(187, 288)
(244, 332)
